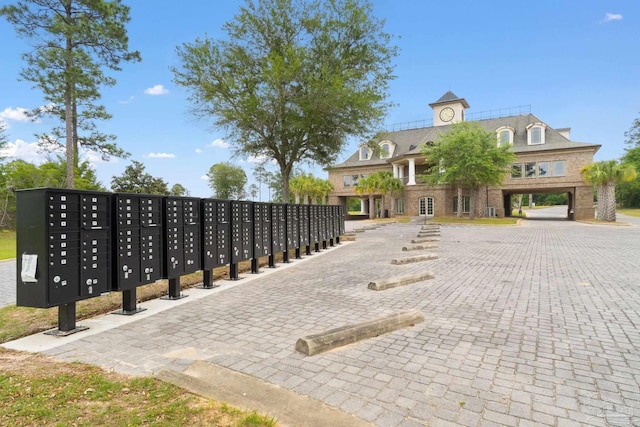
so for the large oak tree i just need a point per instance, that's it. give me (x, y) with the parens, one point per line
(73, 42)
(467, 156)
(292, 79)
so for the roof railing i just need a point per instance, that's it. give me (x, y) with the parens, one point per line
(480, 115)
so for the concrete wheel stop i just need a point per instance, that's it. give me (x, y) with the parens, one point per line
(419, 247)
(394, 282)
(426, 240)
(412, 259)
(349, 334)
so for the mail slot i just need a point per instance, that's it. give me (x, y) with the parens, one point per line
(63, 246)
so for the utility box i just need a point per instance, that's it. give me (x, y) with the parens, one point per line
(182, 245)
(216, 237)
(63, 246)
(137, 235)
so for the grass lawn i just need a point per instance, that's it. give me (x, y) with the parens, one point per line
(630, 212)
(7, 244)
(35, 390)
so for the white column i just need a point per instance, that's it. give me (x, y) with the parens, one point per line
(412, 172)
(401, 171)
(363, 207)
(395, 170)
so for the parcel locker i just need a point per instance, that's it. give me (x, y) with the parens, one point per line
(241, 231)
(182, 245)
(138, 233)
(261, 230)
(342, 216)
(278, 228)
(216, 218)
(63, 246)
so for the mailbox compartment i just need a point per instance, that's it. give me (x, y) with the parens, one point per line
(303, 214)
(293, 227)
(182, 243)
(138, 233)
(241, 231)
(314, 224)
(261, 230)
(278, 228)
(216, 233)
(63, 246)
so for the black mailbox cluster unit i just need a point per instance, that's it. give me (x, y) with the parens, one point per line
(216, 241)
(63, 246)
(75, 244)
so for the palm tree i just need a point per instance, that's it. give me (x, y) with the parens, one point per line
(393, 187)
(604, 175)
(367, 185)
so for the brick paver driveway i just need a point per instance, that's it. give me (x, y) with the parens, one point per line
(526, 325)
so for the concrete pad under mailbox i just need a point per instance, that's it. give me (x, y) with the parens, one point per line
(349, 334)
(394, 282)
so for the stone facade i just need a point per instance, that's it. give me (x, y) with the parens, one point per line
(547, 162)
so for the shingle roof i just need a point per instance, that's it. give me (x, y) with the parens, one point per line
(409, 142)
(449, 97)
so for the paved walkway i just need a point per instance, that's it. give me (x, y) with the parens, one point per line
(526, 325)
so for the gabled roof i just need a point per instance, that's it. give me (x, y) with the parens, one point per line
(449, 98)
(409, 142)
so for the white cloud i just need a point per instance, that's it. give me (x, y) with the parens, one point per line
(161, 155)
(198, 150)
(608, 17)
(156, 90)
(257, 159)
(129, 100)
(18, 114)
(219, 143)
(29, 151)
(204, 178)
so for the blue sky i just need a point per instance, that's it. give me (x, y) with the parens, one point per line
(575, 63)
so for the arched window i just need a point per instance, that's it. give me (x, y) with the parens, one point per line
(365, 153)
(386, 149)
(505, 135)
(536, 133)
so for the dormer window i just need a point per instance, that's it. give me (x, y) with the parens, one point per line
(365, 153)
(505, 136)
(535, 133)
(386, 149)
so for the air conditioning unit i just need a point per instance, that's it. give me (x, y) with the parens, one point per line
(491, 212)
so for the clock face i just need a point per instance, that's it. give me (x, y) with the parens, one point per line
(446, 114)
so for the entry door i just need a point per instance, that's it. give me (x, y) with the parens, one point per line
(426, 206)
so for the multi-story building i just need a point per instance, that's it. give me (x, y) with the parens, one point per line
(547, 162)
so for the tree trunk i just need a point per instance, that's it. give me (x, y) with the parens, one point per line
(607, 209)
(392, 211)
(460, 203)
(482, 201)
(472, 202)
(68, 113)
(297, 196)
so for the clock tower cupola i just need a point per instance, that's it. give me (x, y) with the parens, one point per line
(448, 109)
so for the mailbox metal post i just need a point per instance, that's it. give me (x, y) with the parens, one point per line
(137, 249)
